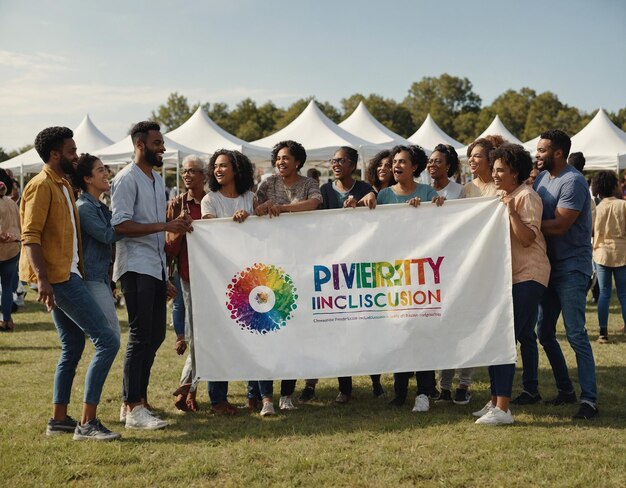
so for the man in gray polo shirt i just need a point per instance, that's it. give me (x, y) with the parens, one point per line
(138, 202)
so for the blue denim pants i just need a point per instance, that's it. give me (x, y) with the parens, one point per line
(260, 389)
(605, 275)
(567, 293)
(8, 272)
(76, 314)
(526, 298)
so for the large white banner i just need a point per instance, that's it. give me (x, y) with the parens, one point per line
(353, 291)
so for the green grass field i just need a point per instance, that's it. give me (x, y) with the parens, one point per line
(363, 443)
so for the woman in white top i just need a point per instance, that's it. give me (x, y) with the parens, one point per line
(442, 165)
(231, 180)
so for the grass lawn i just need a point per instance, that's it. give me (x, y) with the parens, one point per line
(363, 443)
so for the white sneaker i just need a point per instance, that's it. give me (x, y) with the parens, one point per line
(285, 403)
(486, 409)
(140, 418)
(495, 416)
(422, 404)
(268, 409)
(123, 413)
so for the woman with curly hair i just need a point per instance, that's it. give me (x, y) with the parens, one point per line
(609, 247)
(442, 165)
(231, 180)
(378, 172)
(9, 249)
(482, 184)
(530, 272)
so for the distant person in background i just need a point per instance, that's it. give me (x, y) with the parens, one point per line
(609, 247)
(378, 172)
(478, 161)
(530, 181)
(566, 225)
(443, 163)
(577, 160)
(9, 249)
(315, 174)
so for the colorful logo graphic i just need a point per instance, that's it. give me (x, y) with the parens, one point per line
(261, 298)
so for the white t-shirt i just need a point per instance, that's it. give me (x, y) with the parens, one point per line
(216, 204)
(452, 191)
(74, 268)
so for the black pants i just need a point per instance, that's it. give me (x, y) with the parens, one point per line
(425, 383)
(345, 383)
(146, 305)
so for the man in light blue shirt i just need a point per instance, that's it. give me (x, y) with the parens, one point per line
(138, 203)
(566, 225)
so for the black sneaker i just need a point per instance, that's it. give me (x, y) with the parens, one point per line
(586, 411)
(397, 401)
(308, 394)
(444, 396)
(562, 398)
(525, 398)
(434, 394)
(378, 391)
(94, 431)
(56, 427)
(462, 396)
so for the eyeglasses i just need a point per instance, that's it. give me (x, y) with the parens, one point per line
(341, 161)
(191, 171)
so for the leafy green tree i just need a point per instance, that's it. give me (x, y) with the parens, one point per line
(445, 98)
(512, 107)
(4, 155)
(174, 112)
(547, 112)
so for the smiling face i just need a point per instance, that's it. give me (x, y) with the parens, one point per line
(383, 172)
(99, 178)
(153, 148)
(545, 155)
(224, 172)
(479, 161)
(504, 177)
(286, 165)
(342, 167)
(68, 156)
(193, 176)
(437, 166)
(402, 168)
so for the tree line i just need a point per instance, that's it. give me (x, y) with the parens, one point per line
(450, 100)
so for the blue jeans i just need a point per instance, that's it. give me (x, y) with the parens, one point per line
(605, 274)
(526, 298)
(8, 272)
(218, 392)
(567, 293)
(76, 314)
(178, 307)
(102, 294)
(260, 389)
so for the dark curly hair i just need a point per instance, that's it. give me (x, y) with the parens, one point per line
(295, 148)
(496, 140)
(604, 184)
(140, 130)
(351, 153)
(242, 167)
(7, 180)
(416, 154)
(515, 157)
(452, 158)
(84, 167)
(51, 139)
(577, 160)
(558, 140)
(371, 175)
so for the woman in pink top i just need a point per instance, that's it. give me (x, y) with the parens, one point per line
(531, 270)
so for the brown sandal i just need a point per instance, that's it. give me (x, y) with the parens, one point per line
(7, 326)
(224, 408)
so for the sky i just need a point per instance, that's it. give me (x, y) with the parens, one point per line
(119, 60)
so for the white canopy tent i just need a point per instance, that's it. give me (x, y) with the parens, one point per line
(531, 146)
(122, 152)
(602, 143)
(496, 128)
(204, 136)
(320, 136)
(430, 134)
(88, 139)
(363, 124)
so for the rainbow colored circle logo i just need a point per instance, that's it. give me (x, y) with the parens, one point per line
(261, 298)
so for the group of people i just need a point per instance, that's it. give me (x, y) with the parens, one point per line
(68, 244)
